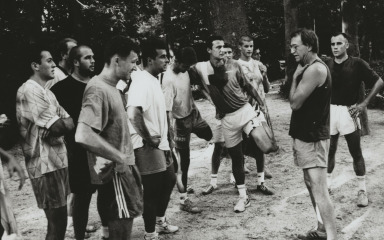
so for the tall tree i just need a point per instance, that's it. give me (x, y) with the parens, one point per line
(228, 19)
(291, 22)
(349, 11)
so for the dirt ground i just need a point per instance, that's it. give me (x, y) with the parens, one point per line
(282, 216)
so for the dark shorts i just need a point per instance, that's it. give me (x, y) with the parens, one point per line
(194, 123)
(123, 195)
(51, 189)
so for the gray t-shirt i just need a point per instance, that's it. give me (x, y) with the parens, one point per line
(103, 110)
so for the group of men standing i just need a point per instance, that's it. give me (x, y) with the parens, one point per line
(121, 141)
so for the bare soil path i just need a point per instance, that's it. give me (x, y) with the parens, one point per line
(281, 216)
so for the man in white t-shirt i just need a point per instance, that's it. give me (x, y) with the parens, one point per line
(257, 75)
(179, 102)
(149, 133)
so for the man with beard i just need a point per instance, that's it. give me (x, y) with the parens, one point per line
(69, 93)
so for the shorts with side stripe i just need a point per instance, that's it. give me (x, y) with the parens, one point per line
(123, 194)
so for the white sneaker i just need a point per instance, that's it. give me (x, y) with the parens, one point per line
(151, 236)
(242, 204)
(165, 227)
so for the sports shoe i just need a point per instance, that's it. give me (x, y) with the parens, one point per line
(362, 199)
(242, 204)
(264, 189)
(190, 190)
(165, 227)
(188, 207)
(313, 234)
(151, 236)
(209, 189)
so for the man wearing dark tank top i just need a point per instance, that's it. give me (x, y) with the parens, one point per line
(347, 75)
(310, 97)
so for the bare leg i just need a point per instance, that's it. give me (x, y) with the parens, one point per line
(57, 223)
(316, 181)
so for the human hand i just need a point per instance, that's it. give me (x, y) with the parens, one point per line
(4, 121)
(355, 110)
(14, 166)
(263, 69)
(61, 112)
(300, 70)
(45, 133)
(154, 141)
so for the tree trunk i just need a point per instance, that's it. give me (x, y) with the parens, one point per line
(228, 19)
(34, 11)
(291, 22)
(75, 16)
(349, 25)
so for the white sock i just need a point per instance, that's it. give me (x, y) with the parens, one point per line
(69, 221)
(105, 232)
(361, 183)
(152, 234)
(260, 178)
(160, 219)
(183, 197)
(214, 180)
(318, 215)
(329, 179)
(242, 191)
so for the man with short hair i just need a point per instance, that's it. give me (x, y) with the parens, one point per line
(256, 73)
(69, 93)
(227, 86)
(180, 104)
(63, 68)
(347, 74)
(257, 54)
(228, 51)
(310, 97)
(43, 123)
(103, 131)
(149, 129)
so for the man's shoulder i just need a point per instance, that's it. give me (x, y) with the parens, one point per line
(317, 68)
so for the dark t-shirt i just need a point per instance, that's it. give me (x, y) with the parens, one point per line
(347, 77)
(69, 93)
(225, 85)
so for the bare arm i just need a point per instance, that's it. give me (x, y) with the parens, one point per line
(61, 127)
(355, 111)
(315, 76)
(13, 166)
(136, 118)
(94, 143)
(266, 83)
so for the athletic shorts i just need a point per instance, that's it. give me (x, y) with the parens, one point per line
(342, 122)
(193, 123)
(244, 119)
(123, 195)
(51, 189)
(310, 154)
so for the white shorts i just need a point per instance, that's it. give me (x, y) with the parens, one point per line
(342, 122)
(244, 119)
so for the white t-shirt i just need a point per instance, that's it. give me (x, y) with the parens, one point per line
(59, 75)
(145, 92)
(252, 71)
(178, 93)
